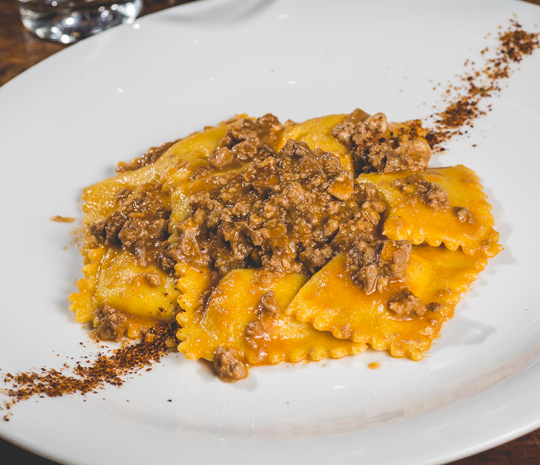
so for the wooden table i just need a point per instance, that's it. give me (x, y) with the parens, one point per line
(19, 50)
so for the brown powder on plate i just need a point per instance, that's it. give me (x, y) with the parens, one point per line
(105, 370)
(464, 101)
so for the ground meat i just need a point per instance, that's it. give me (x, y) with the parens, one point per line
(140, 225)
(409, 155)
(153, 154)
(123, 194)
(406, 305)
(221, 158)
(267, 130)
(429, 193)
(464, 215)
(246, 140)
(258, 334)
(344, 131)
(229, 364)
(358, 220)
(374, 147)
(347, 331)
(372, 265)
(153, 279)
(112, 324)
(269, 304)
(435, 307)
(288, 212)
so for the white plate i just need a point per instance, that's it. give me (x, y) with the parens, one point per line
(66, 122)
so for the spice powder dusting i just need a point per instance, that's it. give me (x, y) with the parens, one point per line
(464, 101)
(82, 379)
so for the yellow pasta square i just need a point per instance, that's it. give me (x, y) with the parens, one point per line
(332, 301)
(178, 161)
(412, 220)
(232, 319)
(113, 278)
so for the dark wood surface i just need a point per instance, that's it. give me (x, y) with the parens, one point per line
(19, 50)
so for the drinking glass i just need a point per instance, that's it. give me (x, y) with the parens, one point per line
(67, 21)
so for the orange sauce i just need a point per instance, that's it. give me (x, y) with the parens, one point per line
(62, 219)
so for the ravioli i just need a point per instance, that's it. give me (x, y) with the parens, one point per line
(145, 295)
(332, 301)
(232, 319)
(253, 238)
(109, 275)
(409, 219)
(100, 199)
(82, 302)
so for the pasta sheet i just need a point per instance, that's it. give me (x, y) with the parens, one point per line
(231, 318)
(409, 219)
(332, 301)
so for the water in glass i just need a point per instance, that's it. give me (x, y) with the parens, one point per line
(67, 21)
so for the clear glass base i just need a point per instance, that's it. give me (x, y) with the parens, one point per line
(69, 21)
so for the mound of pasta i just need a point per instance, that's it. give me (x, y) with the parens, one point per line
(268, 242)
